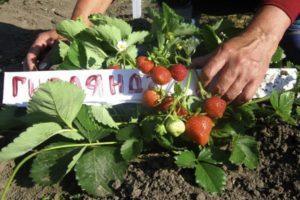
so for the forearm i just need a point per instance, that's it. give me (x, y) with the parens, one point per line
(84, 8)
(270, 23)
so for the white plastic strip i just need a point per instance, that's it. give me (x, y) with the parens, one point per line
(136, 9)
(118, 86)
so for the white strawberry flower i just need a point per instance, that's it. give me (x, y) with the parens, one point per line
(122, 45)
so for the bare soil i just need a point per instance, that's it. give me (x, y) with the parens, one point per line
(153, 175)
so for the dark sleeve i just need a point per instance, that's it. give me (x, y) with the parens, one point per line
(290, 7)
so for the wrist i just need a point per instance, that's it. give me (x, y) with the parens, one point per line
(270, 23)
(84, 8)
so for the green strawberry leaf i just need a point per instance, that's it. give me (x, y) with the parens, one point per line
(72, 134)
(283, 104)
(100, 19)
(193, 103)
(75, 159)
(298, 110)
(186, 29)
(29, 139)
(206, 155)
(102, 116)
(63, 49)
(50, 167)
(131, 131)
(58, 99)
(75, 57)
(131, 149)
(136, 37)
(88, 127)
(186, 159)
(8, 118)
(70, 28)
(210, 38)
(95, 56)
(278, 56)
(120, 112)
(132, 52)
(210, 177)
(148, 126)
(245, 115)
(165, 141)
(161, 129)
(98, 168)
(245, 151)
(109, 33)
(227, 129)
(189, 46)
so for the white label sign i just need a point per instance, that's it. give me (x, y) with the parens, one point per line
(116, 86)
(136, 9)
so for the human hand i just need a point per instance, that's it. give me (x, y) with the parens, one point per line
(237, 68)
(41, 46)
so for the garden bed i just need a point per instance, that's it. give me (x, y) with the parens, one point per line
(153, 175)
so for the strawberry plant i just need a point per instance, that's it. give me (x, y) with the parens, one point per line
(62, 135)
(108, 42)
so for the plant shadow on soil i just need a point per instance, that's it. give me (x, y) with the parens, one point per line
(13, 43)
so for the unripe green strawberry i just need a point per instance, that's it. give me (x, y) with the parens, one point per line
(179, 72)
(198, 128)
(175, 126)
(144, 64)
(151, 98)
(161, 75)
(215, 107)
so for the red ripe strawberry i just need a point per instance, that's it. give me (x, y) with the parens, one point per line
(166, 104)
(114, 67)
(198, 128)
(182, 112)
(151, 98)
(161, 75)
(215, 107)
(144, 64)
(179, 72)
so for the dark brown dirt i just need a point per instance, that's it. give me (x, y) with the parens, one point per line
(152, 176)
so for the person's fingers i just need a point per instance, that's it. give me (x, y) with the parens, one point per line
(214, 65)
(248, 91)
(226, 77)
(43, 41)
(31, 57)
(236, 88)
